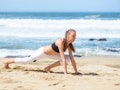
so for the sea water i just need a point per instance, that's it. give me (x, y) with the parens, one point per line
(21, 33)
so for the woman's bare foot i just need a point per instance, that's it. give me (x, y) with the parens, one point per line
(6, 65)
(7, 62)
(47, 69)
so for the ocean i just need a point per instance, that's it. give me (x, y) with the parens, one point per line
(21, 33)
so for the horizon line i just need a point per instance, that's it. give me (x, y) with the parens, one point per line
(60, 11)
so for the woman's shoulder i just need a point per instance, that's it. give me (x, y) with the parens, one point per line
(59, 41)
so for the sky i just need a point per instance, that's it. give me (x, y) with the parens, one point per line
(60, 5)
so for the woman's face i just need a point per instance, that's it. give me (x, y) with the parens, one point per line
(71, 36)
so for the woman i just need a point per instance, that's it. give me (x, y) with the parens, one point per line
(54, 51)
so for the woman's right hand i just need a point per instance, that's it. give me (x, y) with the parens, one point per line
(68, 75)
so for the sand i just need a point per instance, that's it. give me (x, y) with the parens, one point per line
(96, 73)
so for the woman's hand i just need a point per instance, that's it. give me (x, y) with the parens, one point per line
(68, 75)
(77, 73)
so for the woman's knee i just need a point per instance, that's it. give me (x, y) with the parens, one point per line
(9, 61)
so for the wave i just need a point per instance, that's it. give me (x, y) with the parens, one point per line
(81, 52)
(56, 28)
(21, 52)
(77, 23)
(113, 49)
(98, 52)
(92, 16)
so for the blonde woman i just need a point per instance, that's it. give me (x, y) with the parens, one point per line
(55, 51)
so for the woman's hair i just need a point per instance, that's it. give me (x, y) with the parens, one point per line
(65, 41)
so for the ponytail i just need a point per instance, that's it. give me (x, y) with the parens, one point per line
(65, 41)
(72, 47)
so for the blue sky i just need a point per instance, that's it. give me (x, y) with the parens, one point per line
(60, 5)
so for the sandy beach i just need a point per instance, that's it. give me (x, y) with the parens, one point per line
(96, 73)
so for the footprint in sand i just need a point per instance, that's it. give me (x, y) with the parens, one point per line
(19, 86)
(6, 70)
(19, 67)
(7, 80)
(63, 85)
(54, 84)
(118, 84)
(91, 73)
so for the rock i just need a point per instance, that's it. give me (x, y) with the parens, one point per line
(102, 39)
(92, 39)
(112, 50)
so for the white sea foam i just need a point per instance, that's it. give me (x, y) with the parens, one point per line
(56, 28)
(92, 16)
(21, 52)
(95, 52)
(81, 51)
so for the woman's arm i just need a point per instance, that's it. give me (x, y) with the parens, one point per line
(60, 46)
(72, 60)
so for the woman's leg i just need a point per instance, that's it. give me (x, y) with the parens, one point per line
(58, 63)
(7, 62)
(38, 54)
(47, 69)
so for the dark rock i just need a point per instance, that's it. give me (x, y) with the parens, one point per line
(112, 50)
(102, 39)
(92, 39)
(77, 56)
